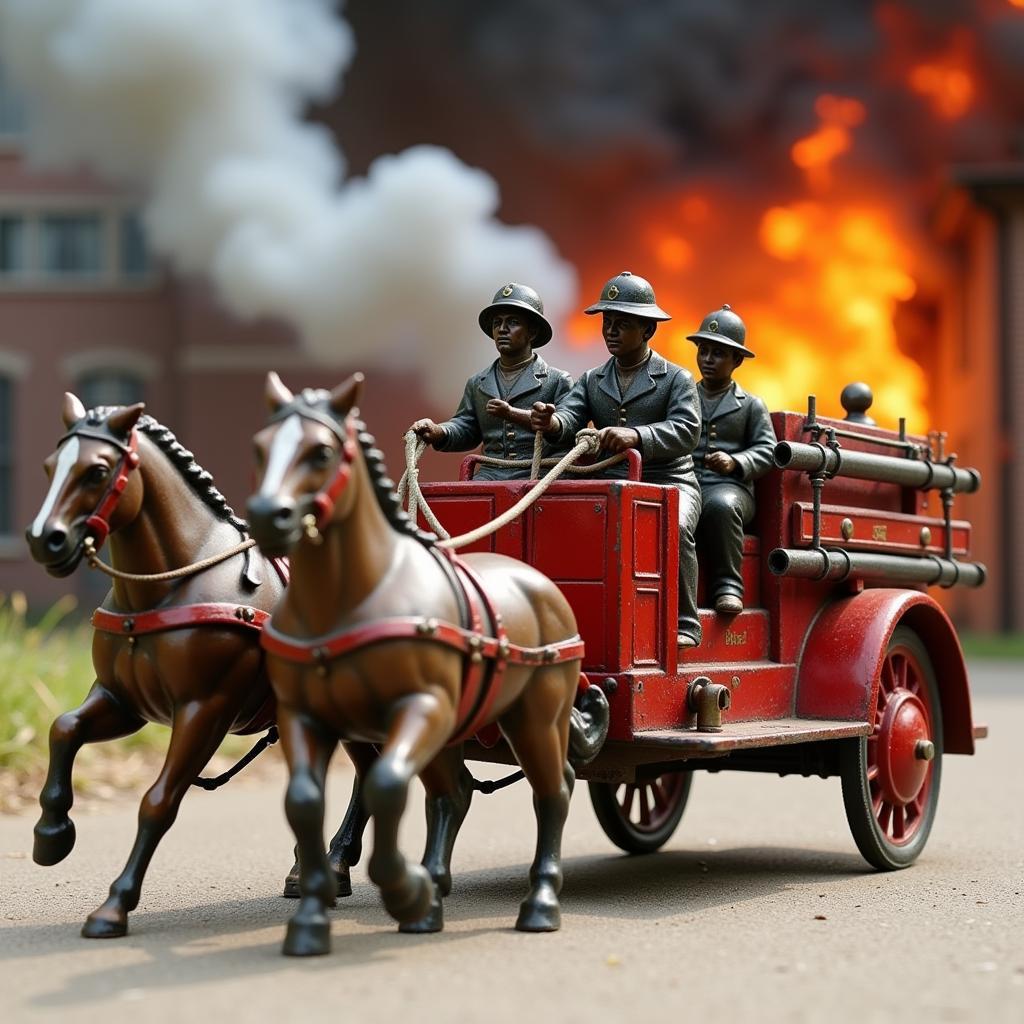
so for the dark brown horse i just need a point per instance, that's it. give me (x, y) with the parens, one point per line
(381, 637)
(183, 651)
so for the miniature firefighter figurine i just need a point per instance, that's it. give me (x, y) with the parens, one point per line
(487, 413)
(637, 399)
(736, 445)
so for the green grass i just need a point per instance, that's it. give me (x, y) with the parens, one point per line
(46, 669)
(1004, 646)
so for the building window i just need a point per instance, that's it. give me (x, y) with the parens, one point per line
(110, 387)
(6, 456)
(12, 110)
(72, 244)
(135, 262)
(12, 244)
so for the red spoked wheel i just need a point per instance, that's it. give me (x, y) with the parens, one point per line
(640, 817)
(891, 777)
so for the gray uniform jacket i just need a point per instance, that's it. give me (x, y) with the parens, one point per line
(742, 428)
(660, 404)
(473, 425)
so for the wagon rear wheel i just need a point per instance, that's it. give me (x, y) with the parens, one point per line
(890, 783)
(640, 817)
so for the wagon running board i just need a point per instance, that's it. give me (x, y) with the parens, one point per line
(748, 735)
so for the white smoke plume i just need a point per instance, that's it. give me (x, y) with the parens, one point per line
(201, 105)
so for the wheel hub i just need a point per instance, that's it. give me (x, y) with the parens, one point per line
(901, 769)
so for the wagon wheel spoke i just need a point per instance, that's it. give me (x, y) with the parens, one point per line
(884, 815)
(898, 821)
(661, 796)
(627, 800)
(645, 805)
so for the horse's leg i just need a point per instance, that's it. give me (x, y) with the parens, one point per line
(449, 788)
(99, 717)
(196, 731)
(536, 727)
(308, 752)
(417, 731)
(347, 845)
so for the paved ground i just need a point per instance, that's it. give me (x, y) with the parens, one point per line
(759, 908)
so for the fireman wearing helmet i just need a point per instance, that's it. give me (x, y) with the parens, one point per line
(487, 413)
(638, 399)
(735, 448)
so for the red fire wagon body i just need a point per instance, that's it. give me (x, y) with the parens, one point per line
(850, 674)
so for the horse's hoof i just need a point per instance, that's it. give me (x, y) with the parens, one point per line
(413, 900)
(293, 892)
(343, 879)
(538, 916)
(432, 921)
(53, 842)
(104, 927)
(307, 938)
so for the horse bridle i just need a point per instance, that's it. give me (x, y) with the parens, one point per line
(325, 500)
(97, 525)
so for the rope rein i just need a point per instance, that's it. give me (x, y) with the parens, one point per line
(154, 577)
(586, 444)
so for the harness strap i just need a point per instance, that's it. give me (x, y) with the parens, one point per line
(184, 616)
(412, 627)
(324, 501)
(479, 690)
(98, 524)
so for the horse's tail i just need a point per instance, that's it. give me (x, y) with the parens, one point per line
(588, 723)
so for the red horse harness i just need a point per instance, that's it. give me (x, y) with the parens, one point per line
(185, 616)
(98, 524)
(486, 656)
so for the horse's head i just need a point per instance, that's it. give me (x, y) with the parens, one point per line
(92, 487)
(304, 460)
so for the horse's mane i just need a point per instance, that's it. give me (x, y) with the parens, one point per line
(384, 487)
(198, 479)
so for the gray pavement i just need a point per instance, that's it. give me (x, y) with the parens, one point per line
(759, 909)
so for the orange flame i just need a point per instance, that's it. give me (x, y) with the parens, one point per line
(947, 81)
(815, 153)
(818, 281)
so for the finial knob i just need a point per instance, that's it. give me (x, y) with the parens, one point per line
(856, 399)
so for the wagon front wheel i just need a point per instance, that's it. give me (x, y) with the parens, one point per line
(640, 817)
(891, 777)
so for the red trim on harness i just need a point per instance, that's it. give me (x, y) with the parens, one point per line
(98, 524)
(411, 627)
(479, 689)
(321, 650)
(184, 616)
(325, 500)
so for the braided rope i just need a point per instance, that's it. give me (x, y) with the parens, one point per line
(414, 448)
(586, 444)
(154, 577)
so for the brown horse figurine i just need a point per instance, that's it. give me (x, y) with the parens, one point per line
(183, 651)
(382, 637)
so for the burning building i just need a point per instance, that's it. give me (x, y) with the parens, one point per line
(799, 161)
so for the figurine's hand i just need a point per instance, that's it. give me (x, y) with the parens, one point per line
(428, 430)
(542, 417)
(618, 439)
(720, 462)
(499, 408)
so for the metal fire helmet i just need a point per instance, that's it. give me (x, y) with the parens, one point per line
(629, 293)
(725, 327)
(518, 296)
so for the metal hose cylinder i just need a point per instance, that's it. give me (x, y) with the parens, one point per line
(819, 458)
(819, 564)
